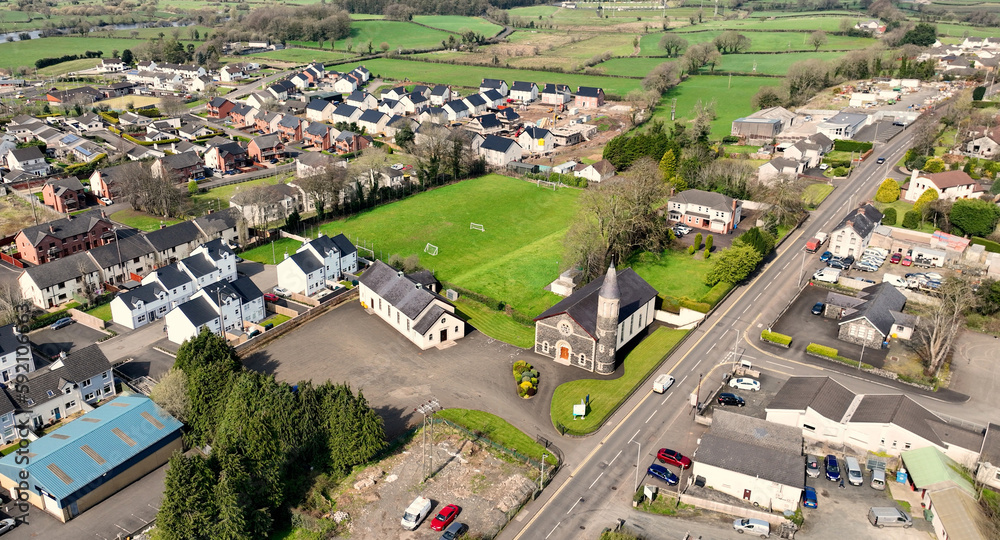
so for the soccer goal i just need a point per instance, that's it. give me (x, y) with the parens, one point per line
(431, 249)
(547, 184)
(477, 227)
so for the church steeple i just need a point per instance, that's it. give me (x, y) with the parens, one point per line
(608, 304)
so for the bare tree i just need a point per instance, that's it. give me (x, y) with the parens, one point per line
(171, 393)
(325, 188)
(10, 299)
(698, 55)
(937, 330)
(731, 41)
(172, 106)
(662, 78)
(784, 194)
(673, 44)
(257, 204)
(817, 39)
(924, 136)
(431, 149)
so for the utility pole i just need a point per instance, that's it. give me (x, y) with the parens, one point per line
(541, 472)
(635, 486)
(427, 410)
(802, 268)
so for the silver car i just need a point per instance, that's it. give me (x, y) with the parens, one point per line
(812, 466)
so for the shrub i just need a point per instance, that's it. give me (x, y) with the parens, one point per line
(691, 250)
(717, 292)
(697, 241)
(822, 350)
(889, 217)
(708, 245)
(990, 245)
(193, 187)
(49, 318)
(851, 146)
(840, 171)
(774, 337)
(911, 220)
(730, 139)
(700, 307)
(888, 192)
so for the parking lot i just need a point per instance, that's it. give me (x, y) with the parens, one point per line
(67, 339)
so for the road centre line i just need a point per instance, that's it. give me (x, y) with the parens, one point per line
(614, 458)
(553, 529)
(651, 417)
(596, 479)
(574, 505)
(633, 436)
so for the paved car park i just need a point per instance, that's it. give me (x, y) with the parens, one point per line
(67, 339)
(842, 512)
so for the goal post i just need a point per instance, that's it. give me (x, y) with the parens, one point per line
(477, 227)
(547, 184)
(431, 249)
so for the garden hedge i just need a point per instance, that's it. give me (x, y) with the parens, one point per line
(823, 350)
(774, 337)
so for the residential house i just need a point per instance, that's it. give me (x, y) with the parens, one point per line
(440, 95)
(435, 115)
(243, 115)
(589, 97)
(125, 257)
(525, 92)
(178, 284)
(317, 135)
(708, 210)
(949, 185)
(508, 116)
(64, 195)
(396, 93)
(414, 103)
(392, 107)
(65, 387)
(875, 318)
(363, 100)
(275, 203)
(59, 281)
(456, 110)
(556, 94)
(422, 90)
(29, 159)
(191, 131)
(182, 167)
(423, 317)
(232, 73)
(320, 110)
(267, 122)
(290, 128)
(226, 157)
(494, 84)
(988, 468)
(499, 151)
(190, 318)
(984, 145)
(843, 125)
(805, 152)
(470, 140)
(112, 65)
(39, 244)
(779, 166)
(15, 357)
(237, 304)
(345, 85)
(396, 122)
(493, 99)
(373, 121)
(219, 254)
(89, 459)
(312, 163)
(88, 122)
(595, 172)
(476, 104)
(851, 235)
(348, 141)
(86, 95)
(486, 124)
(140, 306)
(104, 182)
(345, 113)
(536, 140)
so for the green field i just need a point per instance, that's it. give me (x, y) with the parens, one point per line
(533, 12)
(498, 430)
(397, 34)
(769, 64)
(759, 41)
(512, 261)
(732, 99)
(142, 220)
(66, 67)
(305, 56)
(496, 324)
(24, 53)
(183, 32)
(272, 252)
(457, 23)
(631, 67)
(674, 273)
(471, 76)
(607, 394)
(959, 30)
(829, 24)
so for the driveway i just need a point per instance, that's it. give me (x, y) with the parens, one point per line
(66, 339)
(349, 345)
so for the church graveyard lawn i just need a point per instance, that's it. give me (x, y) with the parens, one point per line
(606, 394)
(512, 261)
(675, 274)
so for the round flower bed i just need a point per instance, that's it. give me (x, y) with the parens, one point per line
(526, 379)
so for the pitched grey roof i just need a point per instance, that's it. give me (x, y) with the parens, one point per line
(182, 160)
(317, 129)
(345, 110)
(439, 90)
(146, 293)
(488, 121)
(198, 311)
(61, 270)
(290, 122)
(6, 403)
(429, 318)
(217, 292)
(588, 91)
(247, 289)
(991, 445)
(522, 86)
(536, 132)
(401, 292)
(823, 394)
(215, 223)
(345, 246)
(129, 245)
(172, 277)
(71, 183)
(509, 114)
(43, 384)
(862, 220)
(217, 249)
(218, 102)
(881, 300)
(199, 265)
(582, 304)
(65, 227)
(270, 140)
(173, 236)
(306, 261)
(372, 115)
(900, 410)
(492, 95)
(457, 105)
(754, 447)
(710, 199)
(498, 144)
(476, 100)
(551, 88)
(8, 340)
(491, 83)
(780, 164)
(317, 105)
(26, 153)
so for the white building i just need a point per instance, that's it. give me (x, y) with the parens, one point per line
(851, 236)
(140, 306)
(318, 263)
(536, 140)
(12, 348)
(69, 385)
(421, 316)
(949, 185)
(499, 151)
(177, 283)
(186, 320)
(843, 125)
(524, 92)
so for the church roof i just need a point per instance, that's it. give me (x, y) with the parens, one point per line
(582, 304)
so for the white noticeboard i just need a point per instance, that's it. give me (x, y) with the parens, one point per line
(694, 399)
(580, 409)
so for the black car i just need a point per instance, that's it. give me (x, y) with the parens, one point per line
(817, 308)
(880, 160)
(848, 260)
(837, 263)
(832, 468)
(727, 398)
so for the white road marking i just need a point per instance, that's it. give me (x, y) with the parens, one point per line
(574, 505)
(712, 347)
(553, 529)
(786, 265)
(595, 480)
(664, 402)
(745, 310)
(777, 364)
(758, 296)
(685, 377)
(699, 361)
(616, 457)
(633, 436)
(769, 283)
(650, 417)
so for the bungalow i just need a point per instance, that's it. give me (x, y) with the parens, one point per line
(112, 65)
(191, 131)
(525, 92)
(362, 100)
(348, 141)
(499, 151)
(536, 140)
(226, 157)
(319, 110)
(779, 166)
(588, 97)
(290, 128)
(876, 318)
(318, 136)
(494, 84)
(440, 95)
(88, 122)
(949, 185)
(64, 195)
(985, 145)
(422, 316)
(843, 125)
(373, 121)
(714, 212)
(181, 167)
(556, 94)
(595, 172)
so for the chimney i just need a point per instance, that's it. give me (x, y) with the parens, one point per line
(913, 175)
(52, 229)
(62, 355)
(104, 215)
(418, 286)
(399, 273)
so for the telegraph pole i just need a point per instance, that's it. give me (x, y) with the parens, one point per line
(427, 409)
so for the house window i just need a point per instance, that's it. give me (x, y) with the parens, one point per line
(89, 396)
(70, 404)
(583, 358)
(906, 446)
(456, 329)
(107, 389)
(407, 325)
(85, 383)
(397, 317)
(545, 346)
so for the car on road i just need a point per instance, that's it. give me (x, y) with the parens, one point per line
(281, 292)
(752, 526)
(832, 468)
(7, 524)
(880, 160)
(727, 398)
(454, 531)
(817, 308)
(65, 321)
(812, 466)
(672, 457)
(907, 261)
(744, 383)
(445, 517)
(106, 201)
(896, 257)
(809, 497)
(826, 256)
(661, 472)
(824, 166)
(268, 297)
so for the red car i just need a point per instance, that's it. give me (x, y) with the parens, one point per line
(445, 517)
(896, 257)
(907, 261)
(268, 297)
(665, 455)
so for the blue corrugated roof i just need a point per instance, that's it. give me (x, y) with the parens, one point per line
(96, 431)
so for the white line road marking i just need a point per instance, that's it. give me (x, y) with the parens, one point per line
(769, 283)
(650, 417)
(786, 265)
(712, 347)
(553, 529)
(758, 296)
(745, 309)
(664, 402)
(633, 436)
(574, 505)
(596, 479)
(777, 364)
(699, 361)
(685, 377)
(616, 457)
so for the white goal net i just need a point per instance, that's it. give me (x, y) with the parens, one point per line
(477, 227)
(431, 249)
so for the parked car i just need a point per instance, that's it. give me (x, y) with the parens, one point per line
(832, 468)
(684, 229)
(752, 526)
(824, 166)
(65, 321)
(867, 267)
(826, 256)
(268, 297)
(896, 257)
(848, 260)
(817, 308)
(744, 383)
(809, 497)
(838, 264)
(454, 531)
(727, 398)
(106, 201)
(7, 524)
(672, 457)
(445, 517)
(281, 292)
(881, 251)
(907, 261)
(812, 466)
(661, 472)
(933, 276)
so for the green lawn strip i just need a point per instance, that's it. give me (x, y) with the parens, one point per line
(460, 24)
(14, 54)
(272, 252)
(398, 34)
(828, 24)
(815, 194)
(498, 430)
(102, 312)
(607, 394)
(674, 273)
(496, 324)
(141, 220)
(63, 68)
(902, 207)
(275, 319)
(631, 67)
(305, 56)
(730, 94)
(959, 30)
(471, 76)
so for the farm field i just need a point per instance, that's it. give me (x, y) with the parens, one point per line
(304, 56)
(24, 53)
(631, 67)
(769, 64)
(66, 67)
(512, 261)
(732, 100)
(457, 23)
(829, 24)
(396, 33)
(471, 76)
(184, 33)
(759, 41)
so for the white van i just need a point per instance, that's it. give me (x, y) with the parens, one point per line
(662, 383)
(878, 479)
(415, 513)
(854, 475)
(829, 275)
(894, 280)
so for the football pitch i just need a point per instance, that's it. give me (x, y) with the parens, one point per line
(516, 255)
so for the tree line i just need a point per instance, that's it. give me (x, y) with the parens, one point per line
(269, 442)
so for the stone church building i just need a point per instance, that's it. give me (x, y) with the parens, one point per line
(588, 327)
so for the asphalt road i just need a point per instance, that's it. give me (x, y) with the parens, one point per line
(599, 476)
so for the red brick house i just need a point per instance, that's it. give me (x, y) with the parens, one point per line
(219, 107)
(348, 141)
(266, 147)
(226, 157)
(42, 243)
(183, 167)
(64, 195)
(588, 97)
(317, 135)
(102, 181)
(290, 128)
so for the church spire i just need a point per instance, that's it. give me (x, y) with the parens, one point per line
(609, 289)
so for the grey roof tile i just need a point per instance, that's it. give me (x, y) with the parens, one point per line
(823, 394)
(582, 304)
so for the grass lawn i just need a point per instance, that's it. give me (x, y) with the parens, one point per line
(122, 103)
(829, 24)
(471, 76)
(732, 99)
(759, 41)
(273, 252)
(674, 273)
(770, 64)
(102, 312)
(495, 324)
(499, 430)
(631, 67)
(275, 319)
(457, 23)
(815, 194)
(66, 67)
(141, 220)
(305, 56)
(14, 54)
(218, 198)
(607, 394)
(517, 255)
(902, 207)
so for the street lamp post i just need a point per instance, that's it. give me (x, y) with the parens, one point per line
(862, 355)
(635, 486)
(541, 472)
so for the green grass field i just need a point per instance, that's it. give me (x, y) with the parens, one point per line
(607, 394)
(732, 100)
(495, 324)
(66, 67)
(769, 64)
(674, 273)
(517, 255)
(815, 194)
(533, 12)
(304, 56)
(902, 207)
(759, 41)
(498, 430)
(142, 220)
(24, 53)
(273, 252)
(218, 198)
(457, 23)
(829, 24)
(102, 312)
(396, 33)
(471, 76)
(183, 33)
